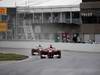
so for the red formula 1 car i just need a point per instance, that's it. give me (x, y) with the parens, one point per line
(50, 53)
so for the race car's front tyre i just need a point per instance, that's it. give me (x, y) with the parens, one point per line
(32, 52)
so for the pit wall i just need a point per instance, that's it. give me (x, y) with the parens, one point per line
(61, 46)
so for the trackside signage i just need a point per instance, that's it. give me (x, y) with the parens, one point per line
(3, 11)
(3, 27)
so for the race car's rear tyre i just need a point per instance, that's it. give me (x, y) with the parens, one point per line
(42, 57)
(41, 53)
(59, 57)
(33, 53)
(59, 54)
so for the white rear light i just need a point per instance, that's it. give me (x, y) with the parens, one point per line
(50, 51)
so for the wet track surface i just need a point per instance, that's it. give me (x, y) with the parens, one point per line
(71, 63)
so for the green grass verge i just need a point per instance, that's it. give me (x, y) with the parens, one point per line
(11, 56)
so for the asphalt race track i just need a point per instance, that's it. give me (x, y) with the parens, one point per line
(71, 63)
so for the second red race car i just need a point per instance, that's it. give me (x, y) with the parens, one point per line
(36, 51)
(50, 53)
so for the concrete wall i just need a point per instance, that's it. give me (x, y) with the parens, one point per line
(62, 46)
(90, 28)
(95, 4)
(54, 28)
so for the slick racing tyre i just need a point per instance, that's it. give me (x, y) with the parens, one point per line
(59, 54)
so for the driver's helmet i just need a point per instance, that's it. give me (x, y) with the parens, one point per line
(51, 46)
(39, 46)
